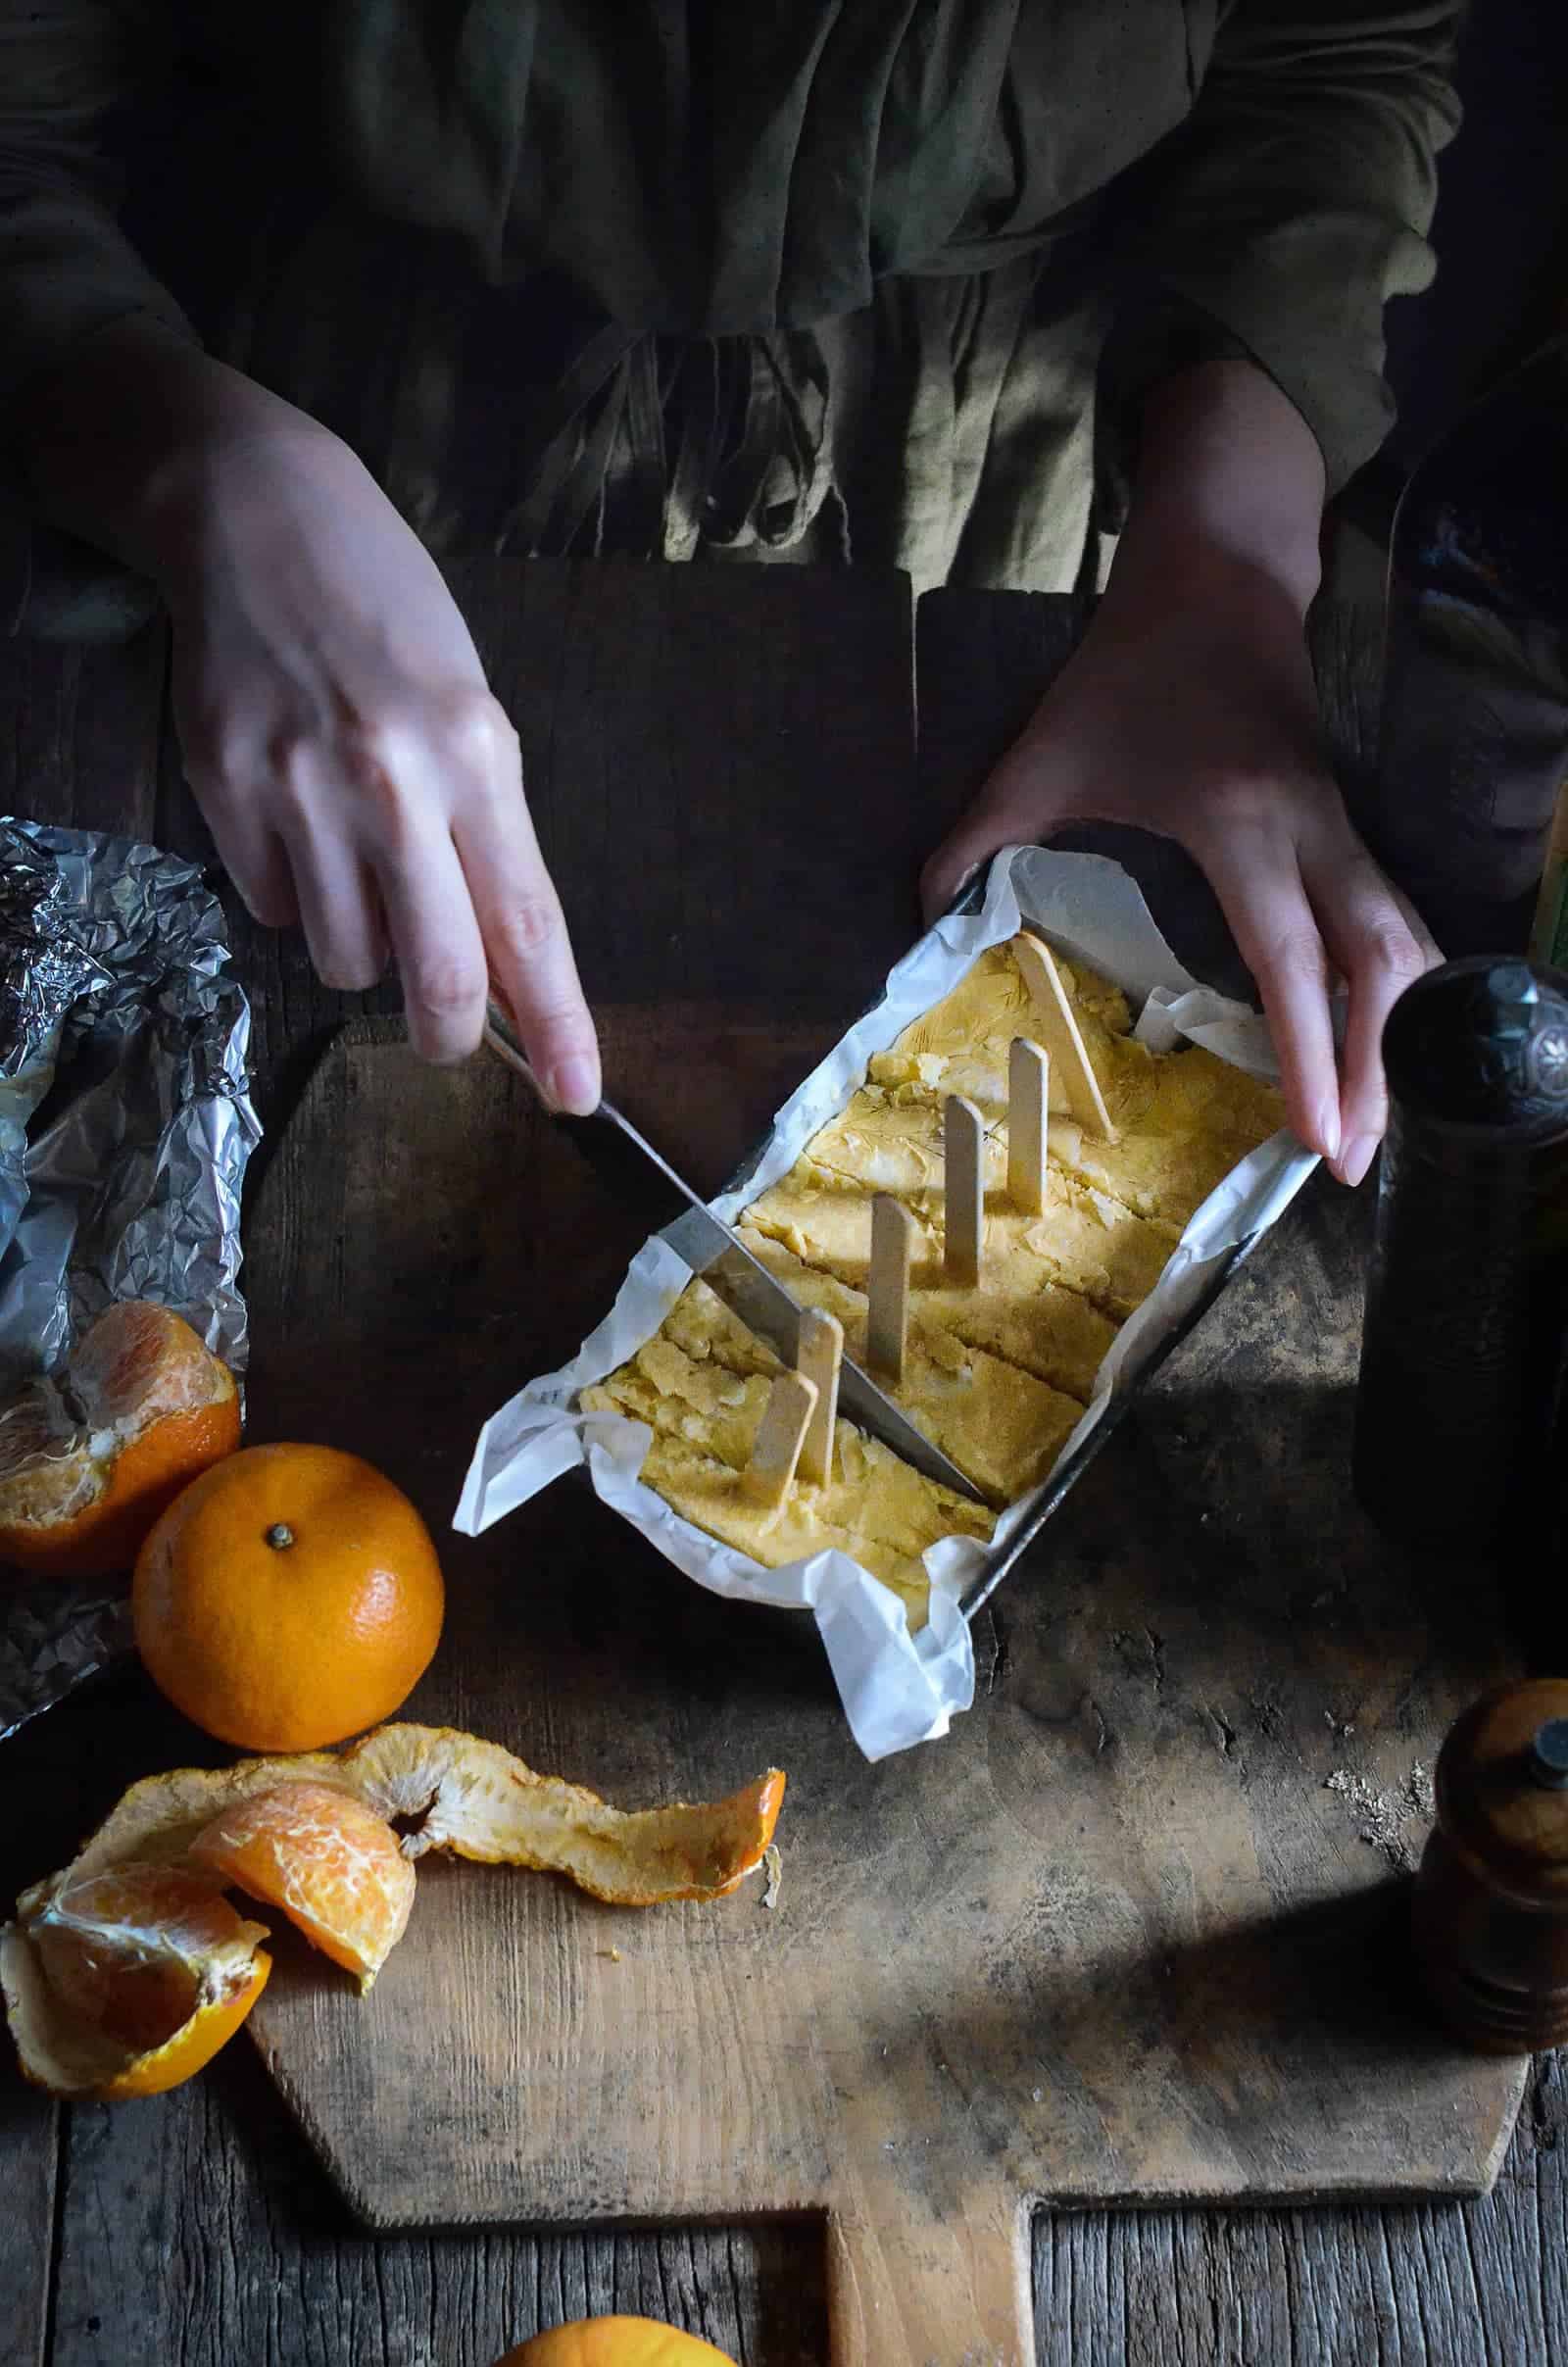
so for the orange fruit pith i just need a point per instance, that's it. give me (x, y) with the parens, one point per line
(192, 2048)
(145, 1972)
(615, 2343)
(290, 1597)
(90, 1458)
(330, 1863)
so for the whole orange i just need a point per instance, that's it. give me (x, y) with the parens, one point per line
(89, 1458)
(615, 2343)
(289, 1596)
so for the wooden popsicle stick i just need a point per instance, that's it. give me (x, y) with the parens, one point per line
(770, 1474)
(1062, 1041)
(818, 1355)
(964, 1213)
(1028, 1100)
(887, 1324)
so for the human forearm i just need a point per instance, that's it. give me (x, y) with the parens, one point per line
(1188, 710)
(1228, 488)
(118, 443)
(335, 723)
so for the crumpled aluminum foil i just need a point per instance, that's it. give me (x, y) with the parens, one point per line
(125, 1124)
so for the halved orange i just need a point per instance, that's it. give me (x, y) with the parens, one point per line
(90, 1457)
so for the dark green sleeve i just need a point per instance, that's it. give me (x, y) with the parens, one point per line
(65, 267)
(67, 270)
(1294, 201)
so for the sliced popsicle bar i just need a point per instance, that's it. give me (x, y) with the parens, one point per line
(1021, 1260)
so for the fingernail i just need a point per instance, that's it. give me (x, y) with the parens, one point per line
(936, 904)
(574, 1084)
(1357, 1156)
(1328, 1128)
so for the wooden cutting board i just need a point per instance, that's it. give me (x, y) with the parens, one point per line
(1135, 1931)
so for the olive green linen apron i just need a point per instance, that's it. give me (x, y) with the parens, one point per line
(875, 280)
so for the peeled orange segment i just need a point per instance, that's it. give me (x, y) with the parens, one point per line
(90, 1457)
(127, 1950)
(193, 2047)
(475, 1798)
(330, 1863)
(126, 1981)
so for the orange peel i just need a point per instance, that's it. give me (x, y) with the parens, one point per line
(118, 1970)
(478, 1800)
(91, 1459)
(124, 1982)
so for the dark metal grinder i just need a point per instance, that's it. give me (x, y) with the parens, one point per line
(1467, 1295)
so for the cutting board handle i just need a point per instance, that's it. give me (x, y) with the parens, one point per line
(910, 2283)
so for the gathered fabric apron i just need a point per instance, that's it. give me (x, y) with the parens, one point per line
(821, 279)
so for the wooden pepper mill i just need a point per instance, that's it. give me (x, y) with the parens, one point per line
(1492, 1896)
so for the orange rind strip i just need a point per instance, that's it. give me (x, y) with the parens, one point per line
(478, 1800)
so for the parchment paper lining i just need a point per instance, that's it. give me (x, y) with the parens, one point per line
(899, 1689)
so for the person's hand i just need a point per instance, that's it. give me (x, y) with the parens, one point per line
(1188, 710)
(355, 771)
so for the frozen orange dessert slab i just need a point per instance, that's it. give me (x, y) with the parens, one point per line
(705, 1414)
(997, 1374)
(1085, 1240)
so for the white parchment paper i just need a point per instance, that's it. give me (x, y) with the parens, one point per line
(899, 1689)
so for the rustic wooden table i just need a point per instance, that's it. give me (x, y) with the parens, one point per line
(200, 2228)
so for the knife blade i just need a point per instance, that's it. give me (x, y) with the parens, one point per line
(623, 1155)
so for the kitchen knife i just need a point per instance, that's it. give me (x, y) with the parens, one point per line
(624, 1157)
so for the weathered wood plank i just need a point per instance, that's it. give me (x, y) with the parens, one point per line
(263, 2264)
(29, 2140)
(1225, 1712)
(676, 723)
(79, 738)
(200, 2230)
(1468, 2284)
(584, 719)
(1428, 2285)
